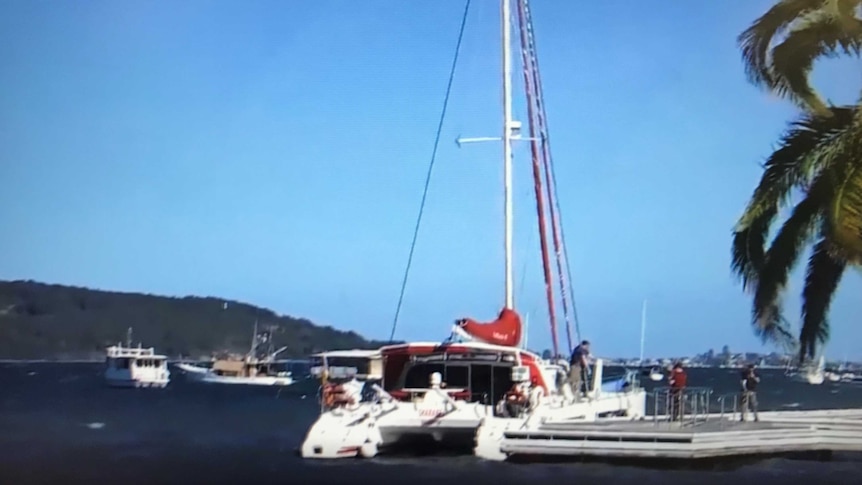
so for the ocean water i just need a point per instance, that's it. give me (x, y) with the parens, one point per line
(60, 424)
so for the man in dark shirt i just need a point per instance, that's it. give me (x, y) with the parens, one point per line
(577, 367)
(749, 392)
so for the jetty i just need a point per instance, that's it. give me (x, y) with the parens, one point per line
(697, 433)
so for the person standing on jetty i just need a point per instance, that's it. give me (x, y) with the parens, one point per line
(678, 380)
(750, 380)
(577, 367)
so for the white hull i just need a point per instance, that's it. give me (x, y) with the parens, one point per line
(814, 379)
(127, 366)
(202, 374)
(137, 383)
(490, 435)
(336, 434)
(814, 374)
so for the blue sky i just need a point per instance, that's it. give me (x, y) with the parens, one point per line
(274, 152)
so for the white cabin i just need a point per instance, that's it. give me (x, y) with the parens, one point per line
(136, 367)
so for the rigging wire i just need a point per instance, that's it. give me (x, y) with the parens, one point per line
(535, 127)
(430, 169)
(551, 172)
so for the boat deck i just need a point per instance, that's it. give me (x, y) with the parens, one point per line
(710, 436)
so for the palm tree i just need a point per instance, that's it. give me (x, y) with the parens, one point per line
(819, 158)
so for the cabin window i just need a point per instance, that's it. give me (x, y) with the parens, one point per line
(502, 382)
(488, 383)
(481, 383)
(419, 375)
(457, 376)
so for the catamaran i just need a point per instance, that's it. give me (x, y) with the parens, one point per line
(128, 366)
(445, 391)
(249, 369)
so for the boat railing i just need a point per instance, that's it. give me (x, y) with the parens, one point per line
(631, 376)
(133, 352)
(686, 407)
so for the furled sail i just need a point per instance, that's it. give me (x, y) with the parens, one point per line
(505, 330)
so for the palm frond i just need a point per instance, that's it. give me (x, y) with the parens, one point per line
(821, 281)
(821, 35)
(845, 215)
(783, 254)
(755, 41)
(795, 161)
(802, 150)
(846, 218)
(748, 254)
(774, 328)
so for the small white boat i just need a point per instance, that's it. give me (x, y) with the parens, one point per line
(249, 370)
(813, 373)
(127, 366)
(655, 374)
(851, 377)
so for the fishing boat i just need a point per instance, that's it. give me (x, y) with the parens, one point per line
(128, 366)
(249, 369)
(443, 391)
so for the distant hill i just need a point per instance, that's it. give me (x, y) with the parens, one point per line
(42, 321)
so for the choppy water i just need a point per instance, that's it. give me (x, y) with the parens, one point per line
(60, 424)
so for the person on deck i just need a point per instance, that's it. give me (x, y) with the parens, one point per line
(678, 380)
(516, 400)
(750, 380)
(578, 367)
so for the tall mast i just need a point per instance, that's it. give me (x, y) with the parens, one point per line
(251, 352)
(507, 146)
(643, 331)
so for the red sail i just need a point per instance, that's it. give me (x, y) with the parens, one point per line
(505, 330)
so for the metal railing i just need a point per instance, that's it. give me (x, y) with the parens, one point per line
(729, 403)
(685, 407)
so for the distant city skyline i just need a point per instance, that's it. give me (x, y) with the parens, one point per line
(275, 154)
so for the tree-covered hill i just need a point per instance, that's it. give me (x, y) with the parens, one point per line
(42, 321)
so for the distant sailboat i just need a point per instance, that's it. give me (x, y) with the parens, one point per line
(655, 373)
(813, 372)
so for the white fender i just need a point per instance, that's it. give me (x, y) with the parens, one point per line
(368, 450)
(489, 437)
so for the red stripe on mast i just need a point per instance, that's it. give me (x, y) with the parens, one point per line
(537, 178)
(546, 156)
